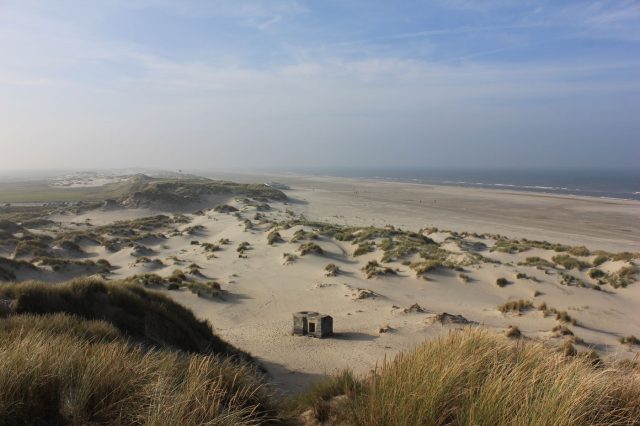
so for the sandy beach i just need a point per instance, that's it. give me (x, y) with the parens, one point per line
(379, 315)
(376, 318)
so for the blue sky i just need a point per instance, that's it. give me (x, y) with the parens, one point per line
(276, 84)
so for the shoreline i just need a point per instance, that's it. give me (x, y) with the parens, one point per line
(575, 220)
(506, 189)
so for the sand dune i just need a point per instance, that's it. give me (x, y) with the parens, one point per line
(249, 295)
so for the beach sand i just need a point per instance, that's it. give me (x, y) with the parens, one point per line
(261, 292)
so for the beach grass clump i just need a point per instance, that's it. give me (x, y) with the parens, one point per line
(568, 350)
(274, 237)
(563, 316)
(622, 277)
(319, 397)
(518, 306)
(364, 248)
(580, 251)
(302, 234)
(404, 244)
(374, 269)
(225, 208)
(331, 270)
(30, 248)
(423, 267)
(569, 262)
(210, 247)
(630, 340)
(512, 246)
(224, 241)
(570, 280)
(204, 289)
(509, 246)
(502, 282)
(177, 276)
(243, 247)
(597, 274)
(537, 262)
(101, 266)
(561, 330)
(310, 248)
(289, 258)
(475, 377)
(600, 259)
(193, 230)
(9, 267)
(513, 332)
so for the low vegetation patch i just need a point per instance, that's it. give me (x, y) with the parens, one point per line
(516, 306)
(569, 262)
(502, 282)
(274, 237)
(331, 270)
(538, 262)
(65, 368)
(310, 248)
(623, 277)
(374, 269)
(364, 248)
(289, 258)
(630, 340)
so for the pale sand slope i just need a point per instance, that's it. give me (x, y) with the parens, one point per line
(261, 294)
(599, 223)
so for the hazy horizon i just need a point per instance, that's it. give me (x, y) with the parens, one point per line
(301, 85)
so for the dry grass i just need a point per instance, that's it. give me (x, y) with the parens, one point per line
(310, 248)
(58, 369)
(516, 306)
(474, 377)
(88, 352)
(144, 316)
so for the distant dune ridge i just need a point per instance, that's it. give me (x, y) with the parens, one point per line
(192, 283)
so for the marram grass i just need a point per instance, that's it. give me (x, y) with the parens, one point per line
(474, 377)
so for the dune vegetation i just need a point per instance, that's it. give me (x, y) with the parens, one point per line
(87, 352)
(475, 377)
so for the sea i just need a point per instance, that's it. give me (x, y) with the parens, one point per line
(613, 184)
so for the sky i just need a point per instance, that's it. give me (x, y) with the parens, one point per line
(284, 84)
